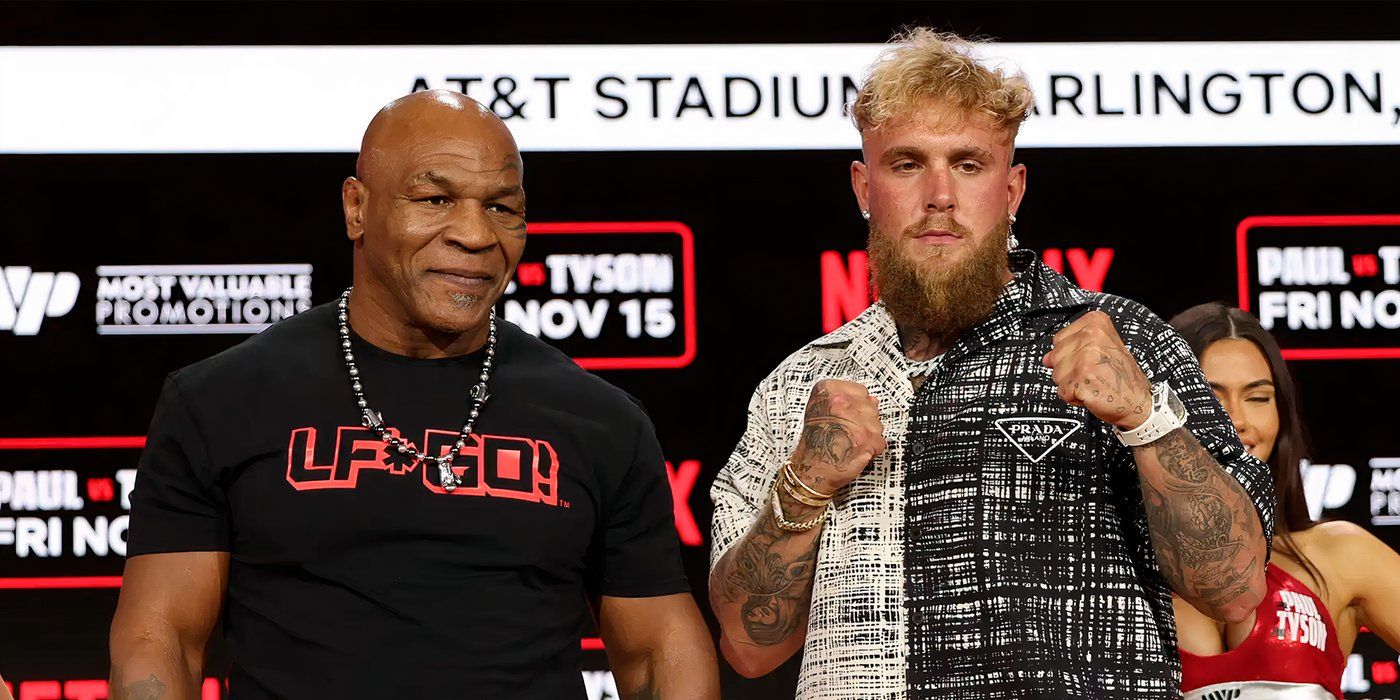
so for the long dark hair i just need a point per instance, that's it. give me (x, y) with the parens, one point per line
(1205, 324)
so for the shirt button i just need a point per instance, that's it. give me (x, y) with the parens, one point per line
(916, 447)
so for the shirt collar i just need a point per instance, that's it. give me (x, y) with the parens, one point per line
(1050, 291)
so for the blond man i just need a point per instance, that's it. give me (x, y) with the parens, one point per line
(988, 484)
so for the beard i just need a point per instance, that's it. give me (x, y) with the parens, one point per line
(464, 301)
(939, 299)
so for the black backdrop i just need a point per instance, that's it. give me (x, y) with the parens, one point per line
(761, 221)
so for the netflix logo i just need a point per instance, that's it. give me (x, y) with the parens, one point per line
(683, 477)
(846, 288)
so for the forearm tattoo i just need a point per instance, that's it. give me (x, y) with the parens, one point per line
(771, 583)
(768, 574)
(1202, 522)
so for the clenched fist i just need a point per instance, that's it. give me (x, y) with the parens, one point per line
(841, 433)
(1094, 369)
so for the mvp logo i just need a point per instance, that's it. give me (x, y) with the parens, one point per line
(1035, 436)
(1326, 486)
(27, 297)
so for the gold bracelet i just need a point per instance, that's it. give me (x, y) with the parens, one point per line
(787, 469)
(797, 494)
(788, 525)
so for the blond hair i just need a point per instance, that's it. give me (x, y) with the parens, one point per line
(920, 65)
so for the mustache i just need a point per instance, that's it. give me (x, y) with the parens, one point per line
(946, 223)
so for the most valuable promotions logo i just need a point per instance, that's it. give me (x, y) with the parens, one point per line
(192, 299)
(28, 297)
(611, 295)
(1385, 491)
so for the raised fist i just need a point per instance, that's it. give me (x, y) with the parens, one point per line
(1094, 369)
(841, 434)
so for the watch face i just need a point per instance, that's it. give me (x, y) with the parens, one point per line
(1175, 406)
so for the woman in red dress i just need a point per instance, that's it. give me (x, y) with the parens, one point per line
(1326, 579)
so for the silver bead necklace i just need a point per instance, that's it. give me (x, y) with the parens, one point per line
(374, 420)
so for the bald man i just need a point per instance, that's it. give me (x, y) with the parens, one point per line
(397, 494)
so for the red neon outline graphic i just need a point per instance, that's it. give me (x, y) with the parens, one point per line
(477, 446)
(359, 436)
(60, 582)
(73, 443)
(68, 443)
(687, 290)
(1242, 263)
(96, 582)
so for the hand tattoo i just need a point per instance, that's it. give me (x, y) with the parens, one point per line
(1120, 384)
(825, 438)
(1121, 378)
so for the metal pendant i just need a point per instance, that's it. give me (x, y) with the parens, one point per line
(445, 475)
(374, 420)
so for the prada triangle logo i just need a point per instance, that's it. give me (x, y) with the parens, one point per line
(1035, 436)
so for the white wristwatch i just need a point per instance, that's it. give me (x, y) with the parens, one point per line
(1168, 414)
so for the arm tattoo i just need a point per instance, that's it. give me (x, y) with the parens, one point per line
(774, 591)
(1121, 383)
(1202, 522)
(825, 438)
(149, 689)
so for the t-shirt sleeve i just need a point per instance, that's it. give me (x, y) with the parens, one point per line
(1167, 357)
(175, 506)
(740, 488)
(636, 553)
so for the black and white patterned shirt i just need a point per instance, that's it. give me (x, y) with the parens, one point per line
(999, 547)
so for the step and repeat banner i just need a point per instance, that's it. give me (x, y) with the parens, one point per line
(692, 225)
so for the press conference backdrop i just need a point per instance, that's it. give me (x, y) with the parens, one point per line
(691, 225)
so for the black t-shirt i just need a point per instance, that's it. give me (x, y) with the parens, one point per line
(353, 574)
